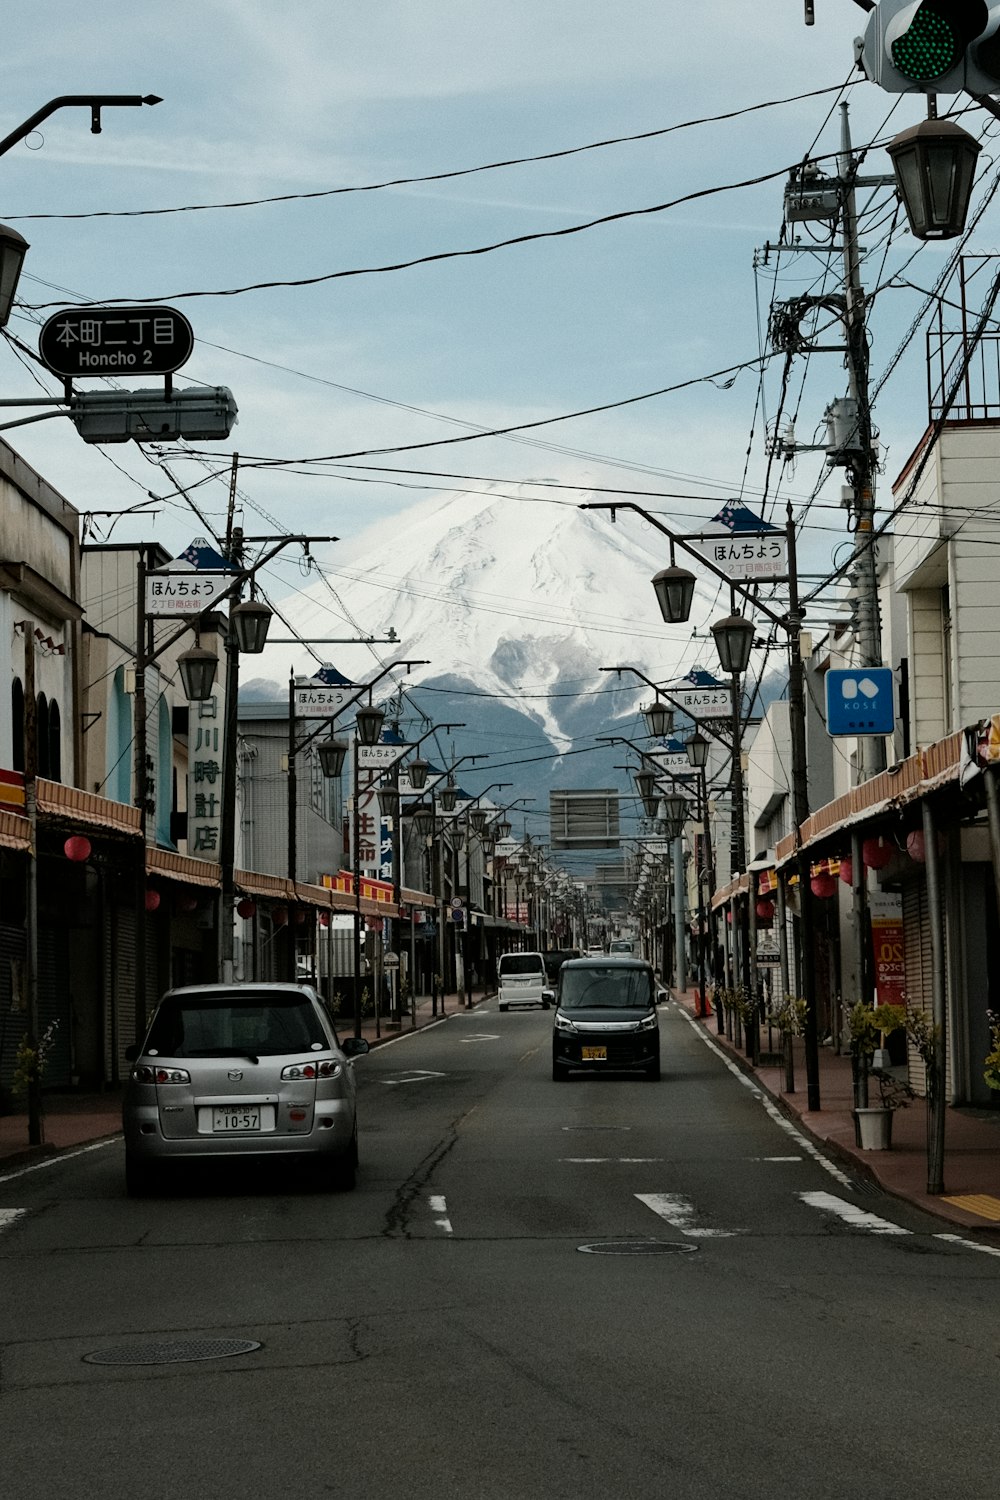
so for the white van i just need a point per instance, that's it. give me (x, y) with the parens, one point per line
(521, 980)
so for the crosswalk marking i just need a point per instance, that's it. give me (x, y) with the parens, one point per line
(439, 1206)
(679, 1213)
(851, 1214)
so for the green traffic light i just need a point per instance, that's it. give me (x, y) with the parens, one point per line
(927, 48)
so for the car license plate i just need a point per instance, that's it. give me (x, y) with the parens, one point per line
(233, 1118)
(593, 1054)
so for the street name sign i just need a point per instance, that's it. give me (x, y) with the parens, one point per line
(187, 592)
(115, 340)
(382, 756)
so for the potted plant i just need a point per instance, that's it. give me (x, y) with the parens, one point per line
(866, 1026)
(991, 1062)
(874, 1124)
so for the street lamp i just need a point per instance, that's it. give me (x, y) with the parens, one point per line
(659, 719)
(417, 771)
(448, 795)
(369, 720)
(935, 163)
(734, 642)
(250, 620)
(13, 248)
(697, 750)
(674, 593)
(197, 668)
(332, 755)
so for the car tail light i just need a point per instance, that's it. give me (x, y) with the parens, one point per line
(145, 1074)
(327, 1069)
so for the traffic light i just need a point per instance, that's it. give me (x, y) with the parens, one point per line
(201, 413)
(933, 46)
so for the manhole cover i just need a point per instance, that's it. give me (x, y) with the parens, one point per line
(171, 1354)
(638, 1247)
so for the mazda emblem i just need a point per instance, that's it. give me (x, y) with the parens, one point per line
(235, 1074)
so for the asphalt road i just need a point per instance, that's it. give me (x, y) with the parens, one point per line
(456, 1327)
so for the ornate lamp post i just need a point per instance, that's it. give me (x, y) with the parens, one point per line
(675, 606)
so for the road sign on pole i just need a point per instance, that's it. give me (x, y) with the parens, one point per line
(115, 341)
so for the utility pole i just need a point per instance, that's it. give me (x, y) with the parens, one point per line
(861, 471)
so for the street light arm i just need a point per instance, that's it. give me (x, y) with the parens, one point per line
(662, 693)
(239, 579)
(95, 102)
(679, 541)
(363, 688)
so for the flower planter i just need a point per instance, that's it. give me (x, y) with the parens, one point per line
(874, 1128)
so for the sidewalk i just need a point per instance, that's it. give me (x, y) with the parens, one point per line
(971, 1199)
(73, 1119)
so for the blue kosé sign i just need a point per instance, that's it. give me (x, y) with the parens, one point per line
(859, 700)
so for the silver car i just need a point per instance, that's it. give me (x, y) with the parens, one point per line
(243, 1070)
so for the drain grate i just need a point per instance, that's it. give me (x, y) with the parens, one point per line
(171, 1354)
(637, 1247)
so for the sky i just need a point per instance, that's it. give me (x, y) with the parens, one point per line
(266, 101)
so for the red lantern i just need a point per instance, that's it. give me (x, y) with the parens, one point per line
(300, 916)
(246, 907)
(279, 915)
(876, 853)
(847, 870)
(765, 910)
(152, 900)
(729, 918)
(823, 885)
(77, 848)
(186, 904)
(324, 919)
(916, 847)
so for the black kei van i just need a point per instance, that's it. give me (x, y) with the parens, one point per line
(606, 1019)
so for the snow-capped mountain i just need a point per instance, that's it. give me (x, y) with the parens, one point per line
(515, 603)
(515, 596)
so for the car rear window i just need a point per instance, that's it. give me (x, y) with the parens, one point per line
(521, 963)
(605, 986)
(234, 1025)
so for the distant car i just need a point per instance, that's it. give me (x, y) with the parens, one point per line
(605, 1018)
(521, 980)
(624, 945)
(231, 1072)
(554, 960)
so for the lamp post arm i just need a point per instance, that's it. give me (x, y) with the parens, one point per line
(95, 102)
(706, 562)
(674, 702)
(443, 775)
(239, 579)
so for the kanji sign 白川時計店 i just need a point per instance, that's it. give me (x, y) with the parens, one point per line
(115, 340)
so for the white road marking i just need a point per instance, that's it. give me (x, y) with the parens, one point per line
(8, 1216)
(774, 1158)
(679, 1212)
(55, 1161)
(957, 1239)
(392, 1041)
(628, 1160)
(851, 1214)
(439, 1206)
(415, 1075)
(771, 1108)
(483, 1036)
